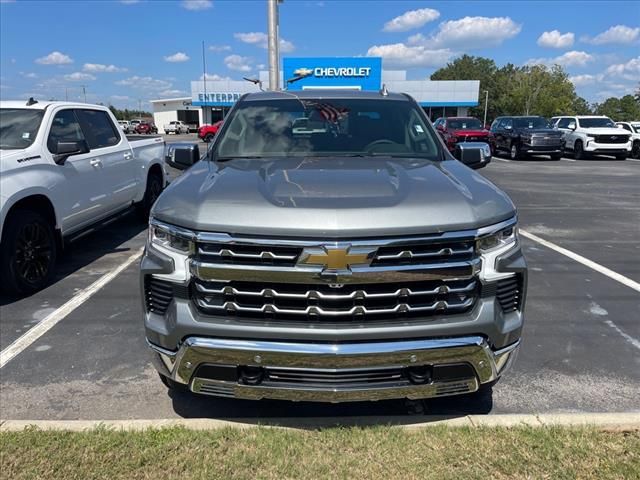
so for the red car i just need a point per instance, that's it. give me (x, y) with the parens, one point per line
(207, 132)
(146, 128)
(463, 129)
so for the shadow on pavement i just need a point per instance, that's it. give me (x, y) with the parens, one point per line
(318, 415)
(87, 249)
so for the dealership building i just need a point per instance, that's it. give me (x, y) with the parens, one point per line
(211, 100)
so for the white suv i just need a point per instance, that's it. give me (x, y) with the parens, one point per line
(587, 135)
(634, 129)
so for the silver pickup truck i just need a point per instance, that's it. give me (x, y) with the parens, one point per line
(352, 259)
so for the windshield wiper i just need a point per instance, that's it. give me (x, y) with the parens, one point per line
(227, 159)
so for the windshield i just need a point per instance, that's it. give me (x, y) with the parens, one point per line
(531, 122)
(314, 127)
(18, 127)
(465, 124)
(596, 123)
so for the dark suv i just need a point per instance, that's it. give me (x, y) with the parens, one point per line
(522, 136)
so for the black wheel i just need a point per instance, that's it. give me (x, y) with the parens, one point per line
(172, 384)
(28, 252)
(621, 156)
(556, 156)
(209, 137)
(151, 194)
(578, 151)
(635, 149)
(514, 152)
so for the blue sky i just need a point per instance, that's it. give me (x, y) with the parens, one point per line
(126, 51)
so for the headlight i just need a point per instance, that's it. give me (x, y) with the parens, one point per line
(497, 240)
(171, 238)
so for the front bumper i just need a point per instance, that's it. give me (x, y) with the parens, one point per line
(607, 148)
(334, 372)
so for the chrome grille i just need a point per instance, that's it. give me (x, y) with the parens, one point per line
(546, 141)
(424, 253)
(337, 378)
(248, 254)
(320, 302)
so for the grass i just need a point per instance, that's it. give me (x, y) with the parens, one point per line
(377, 453)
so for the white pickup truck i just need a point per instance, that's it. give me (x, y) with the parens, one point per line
(65, 168)
(176, 126)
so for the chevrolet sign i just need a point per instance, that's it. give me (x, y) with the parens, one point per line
(362, 73)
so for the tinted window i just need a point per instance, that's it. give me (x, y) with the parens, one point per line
(18, 127)
(507, 123)
(65, 128)
(465, 124)
(626, 127)
(564, 123)
(321, 127)
(496, 124)
(596, 123)
(97, 128)
(531, 122)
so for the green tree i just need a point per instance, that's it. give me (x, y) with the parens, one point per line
(468, 67)
(623, 109)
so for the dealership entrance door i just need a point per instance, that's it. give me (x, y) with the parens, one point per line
(190, 117)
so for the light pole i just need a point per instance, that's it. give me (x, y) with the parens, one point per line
(486, 104)
(273, 40)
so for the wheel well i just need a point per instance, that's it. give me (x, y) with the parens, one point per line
(155, 170)
(39, 204)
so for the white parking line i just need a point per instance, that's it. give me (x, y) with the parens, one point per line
(632, 160)
(502, 159)
(626, 336)
(568, 159)
(584, 261)
(24, 341)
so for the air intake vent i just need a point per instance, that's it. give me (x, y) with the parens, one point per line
(158, 295)
(509, 293)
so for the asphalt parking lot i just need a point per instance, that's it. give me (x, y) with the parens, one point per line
(581, 350)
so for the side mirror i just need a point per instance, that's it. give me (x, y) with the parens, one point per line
(183, 155)
(508, 127)
(571, 126)
(473, 154)
(66, 149)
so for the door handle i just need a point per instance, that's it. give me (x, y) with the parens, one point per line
(95, 162)
(128, 156)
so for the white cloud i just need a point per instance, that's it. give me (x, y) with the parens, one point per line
(401, 55)
(177, 57)
(55, 58)
(238, 63)
(214, 76)
(219, 48)
(469, 33)
(617, 34)
(120, 97)
(583, 80)
(171, 93)
(472, 32)
(555, 39)
(79, 77)
(146, 83)
(28, 75)
(100, 68)
(197, 4)
(572, 58)
(411, 19)
(260, 39)
(629, 70)
(129, 2)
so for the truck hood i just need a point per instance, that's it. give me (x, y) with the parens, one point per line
(332, 197)
(605, 131)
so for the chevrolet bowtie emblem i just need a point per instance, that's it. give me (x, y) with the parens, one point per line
(338, 258)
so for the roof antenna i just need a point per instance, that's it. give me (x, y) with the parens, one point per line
(255, 81)
(383, 91)
(31, 101)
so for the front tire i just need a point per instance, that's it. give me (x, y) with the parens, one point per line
(556, 156)
(514, 152)
(621, 156)
(578, 151)
(27, 252)
(635, 149)
(208, 138)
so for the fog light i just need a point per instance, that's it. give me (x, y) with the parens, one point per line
(251, 375)
(419, 375)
